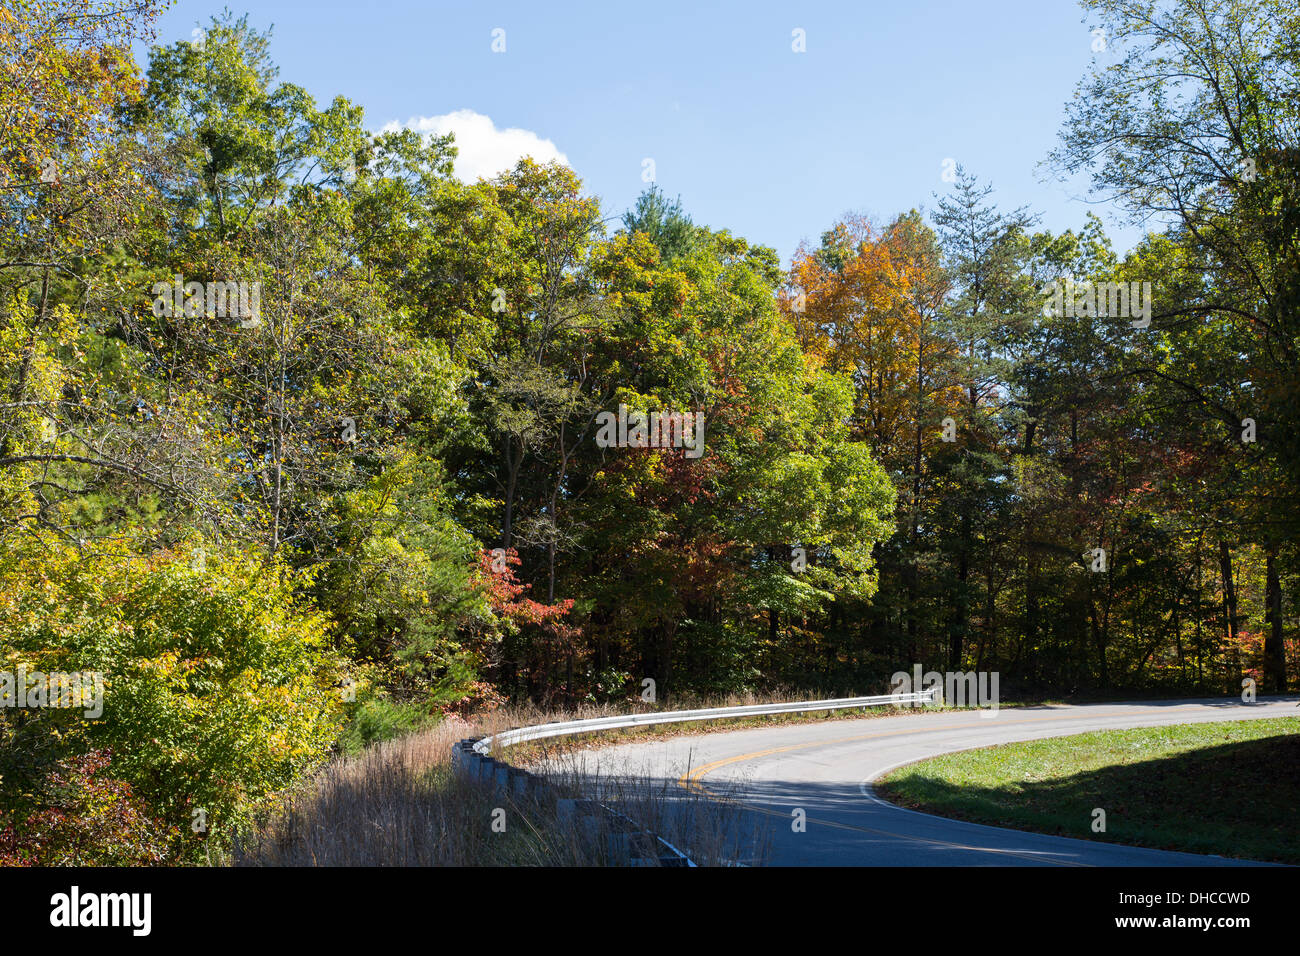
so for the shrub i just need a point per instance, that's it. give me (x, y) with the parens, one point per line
(220, 688)
(91, 820)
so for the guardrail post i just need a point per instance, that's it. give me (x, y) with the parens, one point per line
(582, 815)
(521, 782)
(643, 849)
(616, 848)
(565, 808)
(464, 757)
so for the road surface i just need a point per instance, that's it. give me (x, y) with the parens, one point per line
(826, 769)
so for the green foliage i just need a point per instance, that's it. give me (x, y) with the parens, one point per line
(219, 689)
(378, 719)
(663, 222)
(393, 476)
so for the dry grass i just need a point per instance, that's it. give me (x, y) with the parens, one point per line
(400, 803)
(713, 832)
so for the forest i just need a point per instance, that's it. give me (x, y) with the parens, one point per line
(305, 442)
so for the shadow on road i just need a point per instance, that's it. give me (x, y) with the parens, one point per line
(1237, 799)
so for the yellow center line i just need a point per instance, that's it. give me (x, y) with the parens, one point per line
(692, 779)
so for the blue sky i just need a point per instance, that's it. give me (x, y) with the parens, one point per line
(772, 144)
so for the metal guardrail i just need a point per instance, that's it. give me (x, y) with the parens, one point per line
(474, 756)
(591, 817)
(562, 728)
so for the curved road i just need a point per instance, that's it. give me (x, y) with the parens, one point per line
(826, 769)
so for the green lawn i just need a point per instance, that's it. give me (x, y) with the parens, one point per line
(1229, 788)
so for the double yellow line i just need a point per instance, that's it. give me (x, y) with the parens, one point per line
(692, 780)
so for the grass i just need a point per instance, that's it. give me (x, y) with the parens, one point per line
(1223, 788)
(400, 803)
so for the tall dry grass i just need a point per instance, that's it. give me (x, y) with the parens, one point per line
(401, 803)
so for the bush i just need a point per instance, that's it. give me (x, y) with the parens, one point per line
(378, 719)
(220, 690)
(91, 820)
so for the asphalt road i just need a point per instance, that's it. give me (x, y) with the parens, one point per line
(826, 769)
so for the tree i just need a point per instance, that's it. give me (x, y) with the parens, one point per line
(663, 222)
(1196, 124)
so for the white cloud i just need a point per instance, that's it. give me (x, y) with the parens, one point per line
(484, 150)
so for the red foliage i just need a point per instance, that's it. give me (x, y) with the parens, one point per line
(481, 696)
(90, 820)
(504, 597)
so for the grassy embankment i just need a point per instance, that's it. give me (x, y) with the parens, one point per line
(400, 803)
(1227, 788)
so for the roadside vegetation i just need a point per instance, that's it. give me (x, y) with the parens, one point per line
(299, 449)
(401, 803)
(1229, 788)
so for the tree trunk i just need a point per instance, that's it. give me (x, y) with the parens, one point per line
(1031, 615)
(957, 640)
(512, 482)
(1229, 605)
(1274, 648)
